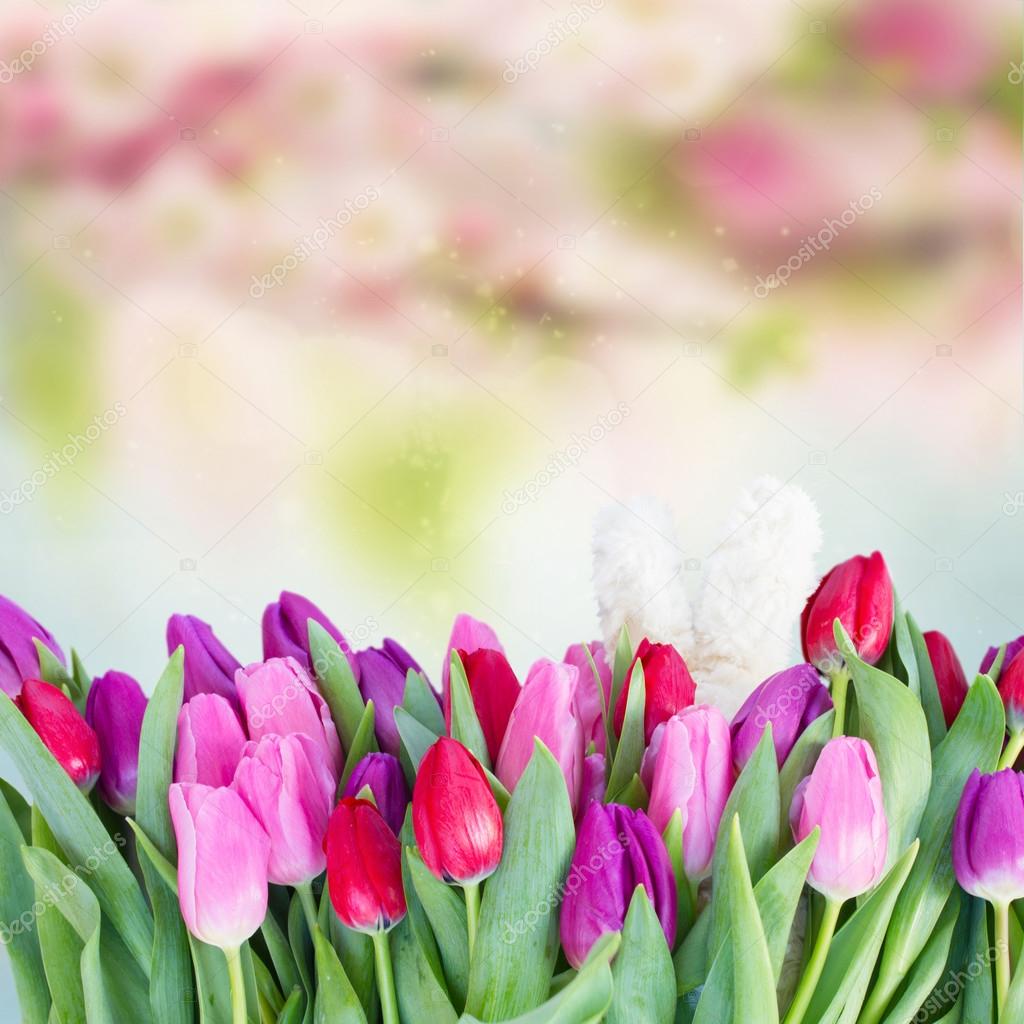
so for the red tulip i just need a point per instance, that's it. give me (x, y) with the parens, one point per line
(364, 867)
(859, 593)
(454, 815)
(1011, 689)
(494, 689)
(62, 729)
(949, 674)
(668, 686)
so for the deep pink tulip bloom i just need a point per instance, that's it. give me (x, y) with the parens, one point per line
(594, 782)
(949, 674)
(668, 686)
(494, 689)
(64, 732)
(1011, 689)
(588, 696)
(210, 741)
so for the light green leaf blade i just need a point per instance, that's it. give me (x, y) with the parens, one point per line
(336, 999)
(466, 726)
(364, 742)
(644, 981)
(421, 702)
(336, 682)
(632, 740)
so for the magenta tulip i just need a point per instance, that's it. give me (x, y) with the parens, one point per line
(988, 836)
(64, 732)
(588, 697)
(19, 659)
(115, 709)
(286, 631)
(594, 782)
(210, 741)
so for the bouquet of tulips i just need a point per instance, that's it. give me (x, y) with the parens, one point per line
(326, 836)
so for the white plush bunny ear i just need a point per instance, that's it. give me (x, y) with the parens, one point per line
(638, 578)
(755, 585)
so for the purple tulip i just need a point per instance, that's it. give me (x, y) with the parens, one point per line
(209, 666)
(988, 836)
(286, 631)
(789, 700)
(594, 782)
(19, 659)
(210, 741)
(289, 786)
(1013, 648)
(115, 709)
(383, 774)
(382, 672)
(617, 849)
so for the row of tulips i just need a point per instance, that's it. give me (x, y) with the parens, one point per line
(324, 835)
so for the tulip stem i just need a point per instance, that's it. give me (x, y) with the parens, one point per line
(308, 905)
(472, 891)
(385, 978)
(1002, 918)
(237, 981)
(840, 682)
(1014, 746)
(816, 964)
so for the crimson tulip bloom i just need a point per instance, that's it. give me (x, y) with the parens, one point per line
(1011, 689)
(949, 674)
(859, 593)
(64, 732)
(668, 686)
(468, 634)
(364, 868)
(455, 817)
(494, 689)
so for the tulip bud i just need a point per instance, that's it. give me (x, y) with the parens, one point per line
(692, 773)
(617, 849)
(115, 709)
(382, 675)
(279, 698)
(209, 666)
(788, 701)
(1011, 689)
(288, 785)
(210, 741)
(383, 774)
(668, 686)
(494, 689)
(843, 797)
(595, 767)
(222, 864)
(286, 631)
(546, 709)
(455, 817)
(988, 836)
(64, 732)
(588, 696)
(949, 674)
(468, 634)
(859, 593)
(19, 659)
(1013, 648)
(364, 868)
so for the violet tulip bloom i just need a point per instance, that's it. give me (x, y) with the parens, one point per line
(64, 732)
(383, 774)
(594, 782)
(210, 741)
(949, 674)
(382, 674)
(19, 659)
(617, 849)
(988, 837)
(692, 773)
(286, 631)
(468, 635)
(588, 696)
(288, 785)
(546, 709)
(279, 697)
(789, 701)
(843, 797)
(223, 853)
(115, 709)
(209, 666)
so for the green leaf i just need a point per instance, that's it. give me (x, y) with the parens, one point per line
(634, 794)
(421, 702)
(336, 682)
(53, 672)
(336, 999)
(644, 982)
(930, 701)
(906, 658)
(979, 990)
(691, 959)
(465, 724)
(164, 868)
(301, 943)
(83, 681)
(416, 738)
(420, 996)
(620, 664)
(363, 743)
(630, 752)
(800, 763)
(517, 944)
(685, 909)
(293, 1009)
(281, 957)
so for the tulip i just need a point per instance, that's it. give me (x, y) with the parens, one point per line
(115, 709)
(279, 697)
(789, 701)
(692, 773)
(1011, 689)
(468, 634)
(383, 774)
(19, 659)
(382, 675)
(589, 700)
(668, 686)
(592, 787)
(210, 741)
(288, 785)
(64, 732)
(546, 709)
(949, 674)
(859, 593)
(286, 631)
(494, 689)
(617, 849)
(209, 666)
(1013, 648)
(223, 853)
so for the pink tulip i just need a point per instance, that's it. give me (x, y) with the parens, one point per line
(843, 797)
(222, 864)
(468, 635)
(279, 698)
(288, 785)
(546, 709)
(210, 741)
(692, 772)
(588, 696)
